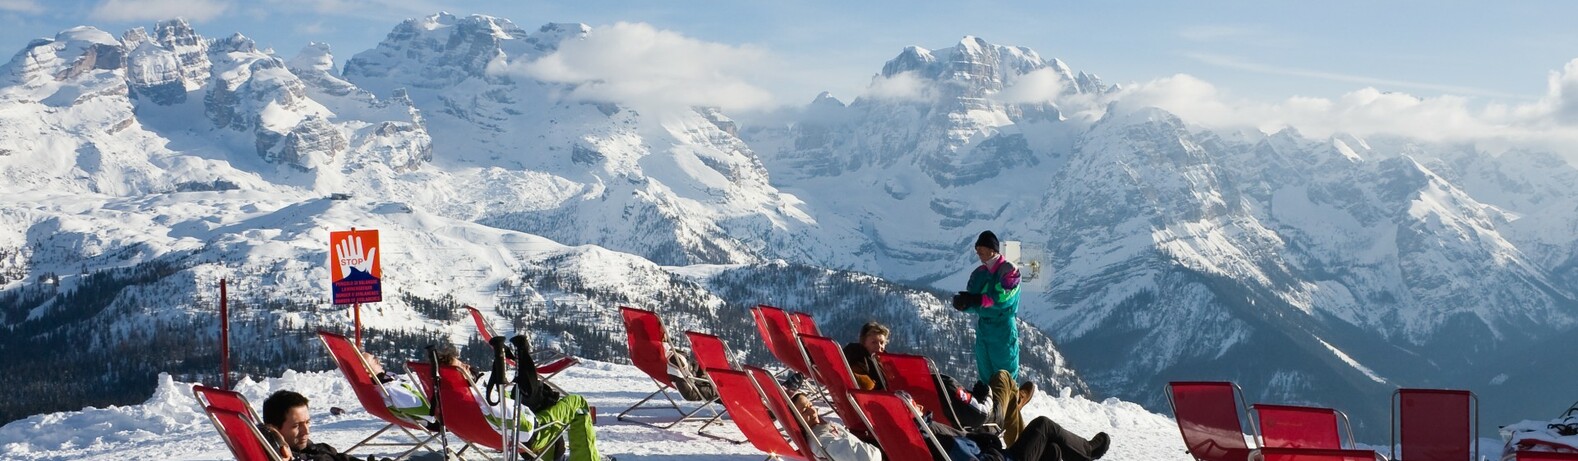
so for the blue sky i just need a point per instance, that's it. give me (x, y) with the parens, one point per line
(1256, 50)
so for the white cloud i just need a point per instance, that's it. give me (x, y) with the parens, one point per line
(648, 68)
(903, 86)
(157, 10)
(1040, 85)
(1550, 123)
(1239, 64)
(21, 6)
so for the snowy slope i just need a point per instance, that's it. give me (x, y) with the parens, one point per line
(1311, 270)
(170, 426)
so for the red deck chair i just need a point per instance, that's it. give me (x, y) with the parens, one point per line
(1208, 418)
(917, 375)
(462, 412)
(549, 363)
(225, 400)
(241, 435)
(741, 397)
(830, 369)
(793, 424)
(711, 353)
(893, 423)
(804, 324)
(1310, 454)
(1545, 456)
(372, 396)
(1292, 426)
(778, 332)
(1435, 424)
(644, 337)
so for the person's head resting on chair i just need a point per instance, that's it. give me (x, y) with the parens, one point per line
(287, 412)
(275, 441)
(874, 337)
(807, 410)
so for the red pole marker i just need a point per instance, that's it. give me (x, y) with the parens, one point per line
(224, 336)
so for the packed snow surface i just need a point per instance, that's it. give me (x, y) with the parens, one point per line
(169, 426)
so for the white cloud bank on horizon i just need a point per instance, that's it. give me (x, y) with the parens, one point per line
(158, 10)
(1549, 123)
(647, 68)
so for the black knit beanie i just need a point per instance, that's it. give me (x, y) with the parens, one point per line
(987, 239)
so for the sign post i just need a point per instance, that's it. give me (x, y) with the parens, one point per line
(355, 273)
(224, 337)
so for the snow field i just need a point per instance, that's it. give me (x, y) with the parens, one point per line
(170, 426)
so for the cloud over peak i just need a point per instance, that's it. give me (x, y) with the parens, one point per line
(642, 66)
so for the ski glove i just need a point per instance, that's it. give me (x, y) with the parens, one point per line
(965, 300)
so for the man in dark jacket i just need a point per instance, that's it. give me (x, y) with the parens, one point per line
(862, 355)
(287, 412)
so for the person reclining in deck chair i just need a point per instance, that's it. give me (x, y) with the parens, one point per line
(275, 441)
(975, 407)
(548, 406)
(688, 378)
(862, 355)
(835, 440)
(286, 412)
(1043, 440)
(400, 395)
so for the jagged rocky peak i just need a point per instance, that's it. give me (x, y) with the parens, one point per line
(71, 53)
(135, 36)
(911, 59)
(980, 68)
(440, 50)
(315, 56)
(191, 50)
(550, 35)
(235, 43)
(826, 99)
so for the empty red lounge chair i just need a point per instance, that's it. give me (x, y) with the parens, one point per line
(895, 426)
(1292, 426)
(462, 412)
(1434, 425)
(549, 363)
(804, 324)
(1208, 417)
(649, 352)
(372, 396)
(779, 334)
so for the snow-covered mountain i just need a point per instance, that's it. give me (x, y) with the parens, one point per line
(1309, 270)
(140, 171)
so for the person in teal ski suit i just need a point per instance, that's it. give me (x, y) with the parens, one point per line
(993, 296)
